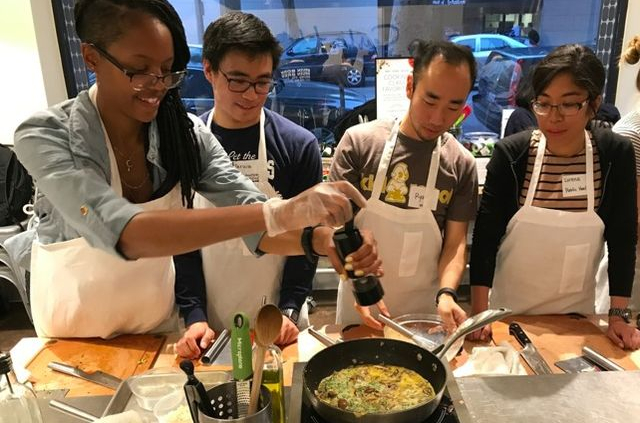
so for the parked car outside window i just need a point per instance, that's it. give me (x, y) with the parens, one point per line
(498, 81)
(343, 58)
(483, 44)
(314, 105)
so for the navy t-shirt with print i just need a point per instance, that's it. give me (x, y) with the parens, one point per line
(293, 164)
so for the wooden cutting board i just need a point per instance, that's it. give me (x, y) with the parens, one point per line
(123, 356)
(558, 337)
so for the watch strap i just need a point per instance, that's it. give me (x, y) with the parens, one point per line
(449, 291)
(625, 313)
(291, 313)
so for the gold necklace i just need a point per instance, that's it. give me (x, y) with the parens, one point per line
(128, 163)
(136, 187)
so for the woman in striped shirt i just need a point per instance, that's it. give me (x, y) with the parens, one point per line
(552, 197)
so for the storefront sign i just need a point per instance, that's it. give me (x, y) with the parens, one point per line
(391, 86)
(448, 2)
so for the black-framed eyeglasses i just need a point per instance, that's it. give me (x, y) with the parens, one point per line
(140, 80)
(242, 85)
(565, 109)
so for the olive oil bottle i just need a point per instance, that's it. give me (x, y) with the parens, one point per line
(272, 378)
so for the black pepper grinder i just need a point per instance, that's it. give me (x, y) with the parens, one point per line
(366, 289)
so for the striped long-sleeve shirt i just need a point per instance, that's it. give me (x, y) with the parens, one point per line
(629, 127)
(549, 193)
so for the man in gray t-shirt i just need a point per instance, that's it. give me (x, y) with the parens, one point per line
(421, 213)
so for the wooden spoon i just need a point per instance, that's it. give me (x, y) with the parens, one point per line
(268, 324)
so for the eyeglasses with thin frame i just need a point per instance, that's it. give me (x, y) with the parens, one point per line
(565, 109)
(142, 80)
(242, 85)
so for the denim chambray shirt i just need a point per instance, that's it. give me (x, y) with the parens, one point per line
(64, 150)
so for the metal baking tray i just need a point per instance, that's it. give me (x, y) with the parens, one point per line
(124, 400)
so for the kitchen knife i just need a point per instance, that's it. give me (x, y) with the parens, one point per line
(529, 351)
(101, 378)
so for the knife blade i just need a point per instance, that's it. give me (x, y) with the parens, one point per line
(529, 351)
(101, 378)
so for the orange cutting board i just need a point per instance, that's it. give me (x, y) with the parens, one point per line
(559, 337)
(123, 356)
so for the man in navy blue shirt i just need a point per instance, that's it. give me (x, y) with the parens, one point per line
(239, 57)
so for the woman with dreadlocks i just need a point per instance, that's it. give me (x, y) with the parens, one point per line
(116, 169)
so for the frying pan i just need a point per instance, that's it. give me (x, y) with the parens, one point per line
(427, 364)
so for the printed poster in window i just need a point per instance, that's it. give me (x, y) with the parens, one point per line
(391, 83)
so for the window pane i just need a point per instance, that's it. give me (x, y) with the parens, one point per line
(328, 65)
(469, 43)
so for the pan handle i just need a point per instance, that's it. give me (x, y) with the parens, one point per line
(324, 339)
(472, 323)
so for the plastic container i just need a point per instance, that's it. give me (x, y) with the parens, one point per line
(429, 326)
(173, 408)
(18, 403)
(151, 386)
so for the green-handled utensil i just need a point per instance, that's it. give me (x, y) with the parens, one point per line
(241, 359)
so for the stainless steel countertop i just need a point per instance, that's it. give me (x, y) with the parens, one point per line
(603, 397)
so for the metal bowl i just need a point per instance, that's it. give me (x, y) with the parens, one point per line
(429, 326)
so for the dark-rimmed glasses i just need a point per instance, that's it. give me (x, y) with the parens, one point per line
(140, 80)
(242, 85)
(565, 109)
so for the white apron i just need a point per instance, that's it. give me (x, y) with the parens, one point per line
(409, 242)
(548, 259)
(236, 280)
(81, 291)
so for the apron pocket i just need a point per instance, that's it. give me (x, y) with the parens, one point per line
(574, 268)
(410, 254)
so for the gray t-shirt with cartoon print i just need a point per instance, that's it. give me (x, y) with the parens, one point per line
(358, 156)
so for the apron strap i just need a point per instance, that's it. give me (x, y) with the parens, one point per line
(537, 167)
(590, 184)
(116, 183)
(434, 167)
(385, 159)
(263, 174)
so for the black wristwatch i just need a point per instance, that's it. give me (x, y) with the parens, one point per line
(291, 313)
(306, 240)
(625, 313)
(449, 291)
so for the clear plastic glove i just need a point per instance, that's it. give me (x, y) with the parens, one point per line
(195, 340)
(326, 203)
